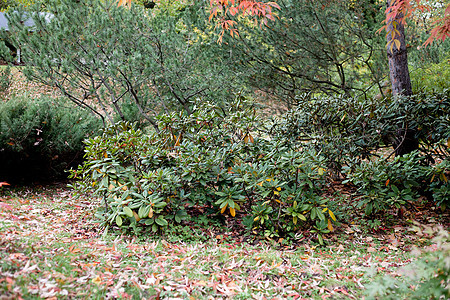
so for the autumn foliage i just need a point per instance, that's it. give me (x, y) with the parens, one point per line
(401, 10)
(222, 10)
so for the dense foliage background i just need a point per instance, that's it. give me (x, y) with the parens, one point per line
(289, 128)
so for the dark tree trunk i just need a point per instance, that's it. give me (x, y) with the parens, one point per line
(405, 141)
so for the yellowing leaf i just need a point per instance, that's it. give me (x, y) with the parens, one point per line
(150, 213)
(276, 192)
(256, 219)
(97, 280)
(387, 182)
(269, 179)
(260, 184)
(278, 188)
(443, 177)
(136, 216)
(332, 215)
(224, 208)
(325, 209)
(232, 211)
(330, 226)
(321, 170)
(177, 142)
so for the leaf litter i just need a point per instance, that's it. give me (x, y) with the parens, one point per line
(51, 248)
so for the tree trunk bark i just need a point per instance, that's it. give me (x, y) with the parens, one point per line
(405, 141)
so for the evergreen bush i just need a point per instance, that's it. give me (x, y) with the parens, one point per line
(5, 80)
(40, 139)
(124, 64)
(217, 159)
(349, 130)
(273, 176)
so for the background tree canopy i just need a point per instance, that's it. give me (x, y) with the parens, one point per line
(126, 64)
(321, 47)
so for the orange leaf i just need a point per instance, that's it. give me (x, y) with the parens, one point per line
(330, 226)
(72, 249)
(3, 183)
(136, 216)
(124, 2)
(224, 208)
(232, 211)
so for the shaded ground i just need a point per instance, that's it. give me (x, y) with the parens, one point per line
(50, 248)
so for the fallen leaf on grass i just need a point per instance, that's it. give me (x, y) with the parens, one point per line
(97, 280)
(72, 249)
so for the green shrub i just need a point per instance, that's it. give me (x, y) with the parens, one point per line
(348, 130)
(226, 161)
(439, 185)
(5, 80)
(41, 139)
(390, 184)
(426, 278)
(216, 159)
(127, 63)
(350, 134)
(434, 78)
(387, 184)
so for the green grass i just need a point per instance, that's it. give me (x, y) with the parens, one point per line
(50, 247)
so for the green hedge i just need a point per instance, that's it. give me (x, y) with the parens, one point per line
(40, 139)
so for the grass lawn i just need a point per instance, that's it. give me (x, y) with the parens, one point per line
(51, 248)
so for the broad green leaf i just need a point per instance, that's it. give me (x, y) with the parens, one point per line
(119, 220)
(161, 222)
(320, 215)
(319, 236)
(128, 211)
(313, 213)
